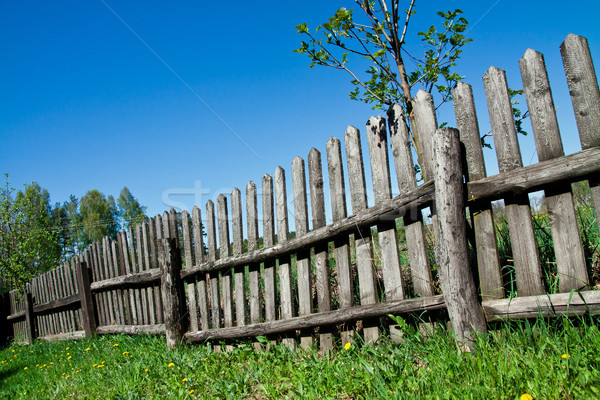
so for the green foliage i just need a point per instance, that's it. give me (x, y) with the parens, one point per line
(28, 242)
(130, 210)
(378, 38)
(548, 359)
(99, 217)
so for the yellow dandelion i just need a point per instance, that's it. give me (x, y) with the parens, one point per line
(125, 352)
(37, 365)
(187, 359)
(183, 380)
(68, 354)
(526, 396)
(103, 362)
(13, 351)
(192, 391)
(101, 365)
(146, 370)
(68, 358)
(565, 356)
(50, 363)
(63, 374)
(88, 349)
(116, 345)
(77, 371)
(67, 348)
(94, 365)
(170, 365)
(67, 377)
(25, 369)
(347, 345)
(31, 351)
(44, 365)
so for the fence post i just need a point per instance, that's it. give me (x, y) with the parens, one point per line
(29, 316)
(171, 286)
(456, 276)
(85, 295)
(5, 326)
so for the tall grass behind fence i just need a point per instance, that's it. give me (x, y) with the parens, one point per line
(335, 281)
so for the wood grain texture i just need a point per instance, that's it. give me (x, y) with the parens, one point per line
(488, 261)
(570, 258)
(253, 275)
(518, 213)
(158, 329)
(425, 125)
(382, 187)
(413, 223)
(172, 291)
(585, 96)
(211, 240)
(85, 299)
(199, 257)
(456, 278)
(364, 253)
(238, 248)
(190, 286)
(320, 319)
(269, 241)
(225, 252)
(305, 300)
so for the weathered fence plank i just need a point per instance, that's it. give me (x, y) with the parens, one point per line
(199, 256)
(456, 279)
(211, 239)
(188, 262)
(585, 96)
(322, 273)
(488, 261)
(85, 295)
(238, 248)
(225, 252)
(570, 259)
(269, 241)
(518, 213)
(364, 253)
(420, 269)
(253, 275)
(172, 291)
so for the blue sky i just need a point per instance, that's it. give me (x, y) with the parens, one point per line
(85, 104)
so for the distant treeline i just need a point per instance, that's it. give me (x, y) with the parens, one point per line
(37, 235)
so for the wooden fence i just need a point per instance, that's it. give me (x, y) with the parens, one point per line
(161, 278)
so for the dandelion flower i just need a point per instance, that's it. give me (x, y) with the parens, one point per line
(125, 352)
(170, 365)
(77, 371)
(95, 365)
(526, 396)
(192, 391)
(68, 358)
(146, 370)
(565, 356)
(67, 348)
(67, 377)
(183, 380)
(116, 345)
(88, 349)
(187, 359)
(101, 365)
(25, 369)
(347, 345)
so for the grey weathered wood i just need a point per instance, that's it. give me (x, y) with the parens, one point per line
(321, 319)
(64, 336)
(128, 297)
(211, 239)
(111, 273)
(157, 295)
(413, 223)
(29, 316)
(158, 329)
(103, 273)
(570, 258)
(130, 280)
(147, 265)
(571, 168)
(69, 292)
(173, 231)
(172, 291)
(238, 249)
(488, 262)
(136, 296)
(188, 262)
(143, 305)
(64, 323)
(518, 213)
(253, 277)
(382, 185)
(284, 270)
(98, 297)
(425, 125)
(85, 298)
(585, 96)
(225, 252)
(337, 190)
(322, 273)
(456, 278)
(269, 241)
(116, 272)
(546, 305)
(305, 301)
(364, 253)
(199, 257)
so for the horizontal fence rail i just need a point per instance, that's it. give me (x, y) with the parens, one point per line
(210, 276)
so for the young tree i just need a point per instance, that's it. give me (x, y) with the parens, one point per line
(130, 210)
(379, 37)
(29, 244)
(99, 217)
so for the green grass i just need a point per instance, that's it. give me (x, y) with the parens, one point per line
(555, 359)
